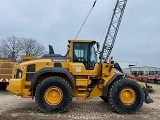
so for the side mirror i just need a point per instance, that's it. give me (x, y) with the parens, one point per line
(98, 45)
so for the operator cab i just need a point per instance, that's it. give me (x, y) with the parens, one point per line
(83, 51)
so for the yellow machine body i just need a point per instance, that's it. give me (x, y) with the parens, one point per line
(54, 79)
(22, 86)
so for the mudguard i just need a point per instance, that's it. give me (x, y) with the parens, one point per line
(105, 88)
(50, 70)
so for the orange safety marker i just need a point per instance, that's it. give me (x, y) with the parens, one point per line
(81, 100)
(25, 96)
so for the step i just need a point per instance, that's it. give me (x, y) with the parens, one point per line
(83, 89)
(82, 82)
(81, 95)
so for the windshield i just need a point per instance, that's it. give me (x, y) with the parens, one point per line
(93, 57)
(85, 53)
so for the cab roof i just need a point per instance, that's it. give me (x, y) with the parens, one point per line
(82, 40)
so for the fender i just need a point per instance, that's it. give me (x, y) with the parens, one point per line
(105, 88)
(50, 70)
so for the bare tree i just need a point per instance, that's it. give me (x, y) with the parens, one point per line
(9, 48)
(31, 47)
(12, 48)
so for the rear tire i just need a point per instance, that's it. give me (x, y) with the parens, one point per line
(53, 95)
(126, 96)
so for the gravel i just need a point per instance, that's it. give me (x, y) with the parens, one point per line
(15, 108)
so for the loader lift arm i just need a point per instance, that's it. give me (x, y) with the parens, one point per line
(112, 30)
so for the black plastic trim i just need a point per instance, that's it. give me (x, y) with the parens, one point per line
(50, 70)
(105, 89)
(57, 65)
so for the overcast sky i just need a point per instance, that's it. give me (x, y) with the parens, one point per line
(55, 21)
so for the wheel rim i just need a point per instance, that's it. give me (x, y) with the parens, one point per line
(53, 95)
(127, 96)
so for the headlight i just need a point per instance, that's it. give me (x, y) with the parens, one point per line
(19, 73)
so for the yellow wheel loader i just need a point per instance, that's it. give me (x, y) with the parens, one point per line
(54, 79)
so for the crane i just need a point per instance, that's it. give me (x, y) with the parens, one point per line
(112, 30)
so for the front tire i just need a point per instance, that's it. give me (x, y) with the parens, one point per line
(126, 96)
(53, 95)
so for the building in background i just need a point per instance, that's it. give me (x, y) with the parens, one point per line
(141, 70)
(130, 68)
(127, 64)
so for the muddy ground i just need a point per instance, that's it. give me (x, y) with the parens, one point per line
(15, 108)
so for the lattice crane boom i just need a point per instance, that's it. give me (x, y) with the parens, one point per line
(112, 30)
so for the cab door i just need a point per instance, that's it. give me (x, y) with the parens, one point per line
(84, 59)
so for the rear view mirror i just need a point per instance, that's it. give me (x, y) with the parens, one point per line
(98, 45)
